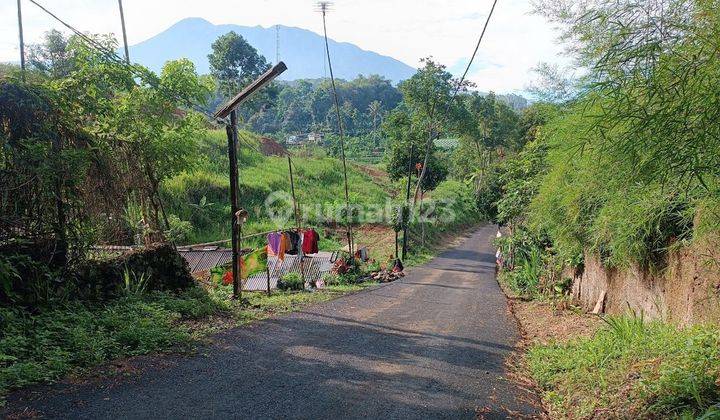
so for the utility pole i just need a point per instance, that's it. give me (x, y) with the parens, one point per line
(324, 7)
(22, 42)
(230, 109)
(407, 202)
(122, 21)
(234, 205)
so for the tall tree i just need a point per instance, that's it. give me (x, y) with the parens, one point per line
(235, 63)
(53, 57)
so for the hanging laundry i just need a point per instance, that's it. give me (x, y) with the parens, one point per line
(273, 240)
(253, 263)
(294, 242)
(284, 246)
(310, 242)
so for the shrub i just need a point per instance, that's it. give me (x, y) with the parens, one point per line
(345, 279)
(291, 281)
(49, 343)
(331, 279)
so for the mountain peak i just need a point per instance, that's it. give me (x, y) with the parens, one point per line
(192, 22)
(302, 50)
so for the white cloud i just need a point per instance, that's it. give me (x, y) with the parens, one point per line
(405, 29)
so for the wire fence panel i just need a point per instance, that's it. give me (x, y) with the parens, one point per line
(313, 268)
(202, 260)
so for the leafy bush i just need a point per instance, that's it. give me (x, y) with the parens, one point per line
(631, 369)
(291, 281)
(179, 231)
(354, 275)
(32, 283)
(46, 345)
(162, 266)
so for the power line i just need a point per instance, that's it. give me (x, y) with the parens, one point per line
(324, 7)
(477, 47)
(112, 56)
(432, 135)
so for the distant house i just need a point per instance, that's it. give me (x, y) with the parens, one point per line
(447, 144)
(307, 138)
(316, 138)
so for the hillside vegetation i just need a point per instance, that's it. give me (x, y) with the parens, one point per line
(198, 199)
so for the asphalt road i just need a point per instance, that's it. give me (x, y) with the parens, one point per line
(431, 345)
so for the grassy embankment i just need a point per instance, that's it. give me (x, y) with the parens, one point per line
(200, 198)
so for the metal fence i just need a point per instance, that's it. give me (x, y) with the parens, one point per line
(313, 267)
(203, 259)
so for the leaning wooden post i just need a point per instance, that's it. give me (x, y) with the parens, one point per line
(396, 244)
(407, 203)
(230, 108)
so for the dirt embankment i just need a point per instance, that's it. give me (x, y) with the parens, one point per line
(686, 291)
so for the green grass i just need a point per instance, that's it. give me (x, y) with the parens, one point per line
(52, 343)
(632, 369)
(318, 182)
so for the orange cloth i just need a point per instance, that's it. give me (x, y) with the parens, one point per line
(284, 246)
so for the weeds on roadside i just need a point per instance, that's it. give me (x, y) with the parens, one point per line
(132, 284)
(46, 345)
(632, 369)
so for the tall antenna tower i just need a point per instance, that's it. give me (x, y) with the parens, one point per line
(324, 7)
(277, 44)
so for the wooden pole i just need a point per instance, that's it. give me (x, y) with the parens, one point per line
(122, 22)
(292, 189)
(297, 217)
(22, 41)
(396, 244)
(267, 273)
(407, 202)
(231, 130)
(342, 140)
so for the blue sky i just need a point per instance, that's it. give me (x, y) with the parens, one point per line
(405, 29)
